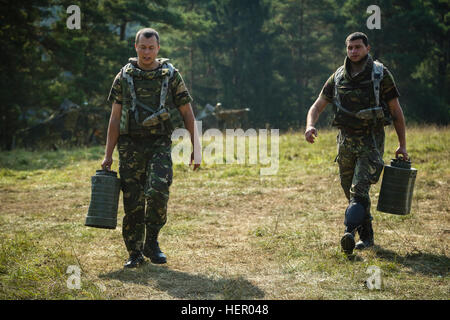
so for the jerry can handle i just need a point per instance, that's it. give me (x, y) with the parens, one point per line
(106, 172)
(401, 162)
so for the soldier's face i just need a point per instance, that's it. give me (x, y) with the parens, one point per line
(147, 50)
(357, 50)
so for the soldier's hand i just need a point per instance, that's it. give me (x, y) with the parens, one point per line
(310, 134)
(402, 151)
(196, 162)
(107, 162)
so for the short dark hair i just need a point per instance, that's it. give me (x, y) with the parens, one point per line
(357, 35)
(148, 33)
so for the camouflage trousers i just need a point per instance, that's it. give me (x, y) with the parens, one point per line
(360, 160)
(145, 168)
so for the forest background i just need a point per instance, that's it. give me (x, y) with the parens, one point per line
(270, 56)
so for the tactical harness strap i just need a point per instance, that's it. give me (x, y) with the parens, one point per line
(164, 88)
(365, 114)
(377, 75)
(372, 114)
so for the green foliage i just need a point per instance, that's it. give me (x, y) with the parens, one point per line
(413, 43)
(270, 56)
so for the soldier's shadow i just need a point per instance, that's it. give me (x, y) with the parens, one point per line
(183, 285)
(417, 261)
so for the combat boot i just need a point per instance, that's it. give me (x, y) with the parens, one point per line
(348, 241)
(151, 247)
(365, 236)
(135, 259)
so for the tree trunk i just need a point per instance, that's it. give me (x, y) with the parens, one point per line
(123, 28)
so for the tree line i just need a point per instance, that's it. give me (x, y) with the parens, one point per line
(270, 56)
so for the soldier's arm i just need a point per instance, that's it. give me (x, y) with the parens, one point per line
(399, 125)
(325, 97)
(189, 123)
(312, 117)
(113, 135)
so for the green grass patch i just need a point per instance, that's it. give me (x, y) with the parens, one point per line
(30, 271)
(231, 233)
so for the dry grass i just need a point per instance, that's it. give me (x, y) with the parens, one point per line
(231, 233)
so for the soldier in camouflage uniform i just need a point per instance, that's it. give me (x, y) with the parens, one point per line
(144, 95)
(365, 98)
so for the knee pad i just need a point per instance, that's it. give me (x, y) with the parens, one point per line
(355, 214)
(361, 200)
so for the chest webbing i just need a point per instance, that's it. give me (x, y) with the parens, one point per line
(364, 114)
(163, 95)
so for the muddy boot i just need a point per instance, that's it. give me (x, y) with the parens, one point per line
(365, 235)
(135, 260)
(151, 247)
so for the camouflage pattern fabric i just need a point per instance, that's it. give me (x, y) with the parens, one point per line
(360, 160)
(145, 168)
(360, 142)
(145, 164)
(357, 93)
(148, 88)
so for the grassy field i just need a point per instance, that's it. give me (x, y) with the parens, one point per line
(231, 233)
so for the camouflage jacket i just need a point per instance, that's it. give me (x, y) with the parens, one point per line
(357, 93)
(147, 87)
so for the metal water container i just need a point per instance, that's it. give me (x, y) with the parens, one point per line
(397, 187)
(105, 190)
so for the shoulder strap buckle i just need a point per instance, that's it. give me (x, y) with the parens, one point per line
(377, 76)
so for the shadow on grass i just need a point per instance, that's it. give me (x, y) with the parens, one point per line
(183, 285)
(419, 262)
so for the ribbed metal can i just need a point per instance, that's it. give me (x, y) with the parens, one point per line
(105, 191)
(397, 187)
